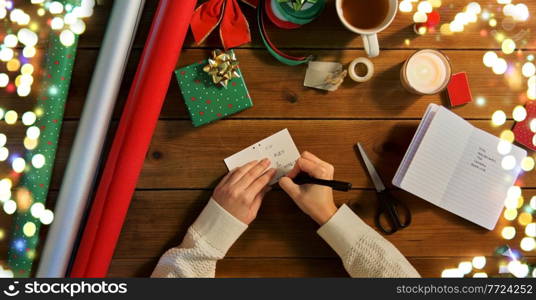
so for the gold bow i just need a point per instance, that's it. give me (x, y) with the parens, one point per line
(222, 67)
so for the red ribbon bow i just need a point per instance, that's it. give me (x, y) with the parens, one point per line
(234, 28)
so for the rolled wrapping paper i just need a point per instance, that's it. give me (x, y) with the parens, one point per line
(55, 83)
(131, 142)
(278, 54)
(83, 161)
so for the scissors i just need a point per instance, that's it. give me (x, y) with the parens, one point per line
(392, 215)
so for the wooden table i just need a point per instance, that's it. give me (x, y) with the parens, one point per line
(184, 163)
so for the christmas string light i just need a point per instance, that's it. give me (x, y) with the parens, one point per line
(516, 210)
(25, 26)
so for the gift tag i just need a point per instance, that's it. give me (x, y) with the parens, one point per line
(324, 75)
(458, 89)
(279, 148)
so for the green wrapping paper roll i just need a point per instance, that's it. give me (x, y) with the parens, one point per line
(81, 170)
(51, 100)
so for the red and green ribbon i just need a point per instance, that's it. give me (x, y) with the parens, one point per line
(302, 15)
(272, 49)
(297, 5)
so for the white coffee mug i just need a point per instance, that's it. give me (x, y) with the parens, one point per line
(370, 37)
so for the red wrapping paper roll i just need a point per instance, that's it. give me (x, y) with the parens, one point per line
(131, 142)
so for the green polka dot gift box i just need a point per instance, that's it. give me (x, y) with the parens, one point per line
(207, 101)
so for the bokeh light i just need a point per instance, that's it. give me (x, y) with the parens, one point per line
(507, 135)
(508, 232)
(500, 66)
(528, 69)
(479, 262)
(18, 165)
(508, 162)
(519, 113)
(527, 164)
(498, 118)
(47, 216)
(504, 147)
(508, 46)
(37, 210)
(518, 269)
(530, 230)
(510, 214)
(465, 267)
(524, 218)
(23, 60)
(528, 244)
(29, 229)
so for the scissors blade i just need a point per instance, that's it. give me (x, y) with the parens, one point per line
(378, 183)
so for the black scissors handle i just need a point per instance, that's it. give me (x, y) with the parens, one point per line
(396, 214)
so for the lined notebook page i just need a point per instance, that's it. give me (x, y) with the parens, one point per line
(479, 185)
(458, 168)
(436, 159)
(415, 143)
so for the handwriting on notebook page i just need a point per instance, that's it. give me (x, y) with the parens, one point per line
(459, 168)
(483, 159)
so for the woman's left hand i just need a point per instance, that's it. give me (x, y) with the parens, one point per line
(241, 191)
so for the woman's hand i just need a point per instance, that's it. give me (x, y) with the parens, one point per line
(314, 200)
(241, 191)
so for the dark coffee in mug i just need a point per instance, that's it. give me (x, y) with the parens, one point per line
(365, 14)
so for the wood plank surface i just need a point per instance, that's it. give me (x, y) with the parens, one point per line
(328, 32)
(158, 220)
(282, 241)
(183, 163)
(277, 91)
(164, 209)
(183, 156)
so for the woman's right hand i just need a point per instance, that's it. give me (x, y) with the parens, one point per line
(314, 200)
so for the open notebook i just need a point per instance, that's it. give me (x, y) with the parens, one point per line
(457, 167)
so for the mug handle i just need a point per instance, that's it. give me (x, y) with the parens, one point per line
(371, 45)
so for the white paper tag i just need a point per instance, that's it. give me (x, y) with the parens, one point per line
(318, 73)
(279, 148)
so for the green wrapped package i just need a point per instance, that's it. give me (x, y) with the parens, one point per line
(208, 102)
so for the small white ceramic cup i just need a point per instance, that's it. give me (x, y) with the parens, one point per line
(370, 37)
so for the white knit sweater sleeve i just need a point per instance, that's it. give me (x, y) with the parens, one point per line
(363, 251)
(207, 240)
